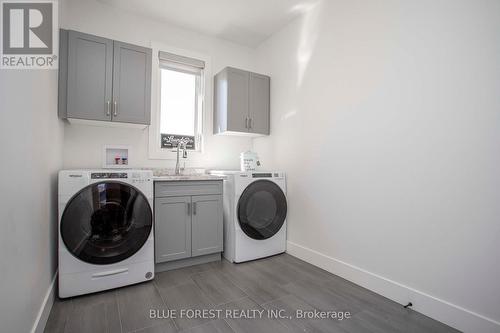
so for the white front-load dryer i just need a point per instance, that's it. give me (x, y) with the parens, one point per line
(105, 230)
(255, 208)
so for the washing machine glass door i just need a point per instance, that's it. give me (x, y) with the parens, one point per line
(106, 223)
(262, 209)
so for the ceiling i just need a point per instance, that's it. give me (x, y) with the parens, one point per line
(246, 22)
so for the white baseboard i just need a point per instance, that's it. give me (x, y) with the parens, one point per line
(43, 313)
(446, 312)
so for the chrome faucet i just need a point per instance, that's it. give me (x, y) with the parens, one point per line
(180, 145)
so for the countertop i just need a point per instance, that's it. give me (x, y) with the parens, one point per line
(187, 177)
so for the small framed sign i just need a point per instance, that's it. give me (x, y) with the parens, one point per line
(172, 140)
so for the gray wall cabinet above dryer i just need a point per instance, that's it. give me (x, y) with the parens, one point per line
(104, 80)
(241, 102)
(258, 103)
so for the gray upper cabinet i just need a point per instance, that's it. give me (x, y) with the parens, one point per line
(105, 80)
(173, 228)
(258, 103)
(237, 100)
(206, 224)
(131, 83)
(90, 71)
(241, 102)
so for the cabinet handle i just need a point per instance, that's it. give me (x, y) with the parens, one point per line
(115, 107)
(189, 208)
(108, 108)
(194, 208)
(246, 122)
(250, 123)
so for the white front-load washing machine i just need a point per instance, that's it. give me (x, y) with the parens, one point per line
(255, 208)
(105, 230)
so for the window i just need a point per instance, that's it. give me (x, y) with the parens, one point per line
(181, 100)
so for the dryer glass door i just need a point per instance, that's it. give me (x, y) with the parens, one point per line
(262, 209)
(106, 223)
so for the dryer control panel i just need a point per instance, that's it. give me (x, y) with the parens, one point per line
(266, 174)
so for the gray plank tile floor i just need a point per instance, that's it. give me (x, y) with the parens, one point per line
(280, 283)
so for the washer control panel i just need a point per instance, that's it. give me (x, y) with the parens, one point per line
(108, 175)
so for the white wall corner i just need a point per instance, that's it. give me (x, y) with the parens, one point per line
(446, 312)
(44, 312)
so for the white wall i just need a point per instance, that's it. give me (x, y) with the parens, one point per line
(386, 118)
(31, 155)
(83, 144)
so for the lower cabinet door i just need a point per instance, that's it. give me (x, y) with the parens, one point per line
(172, 228)
(206, 224)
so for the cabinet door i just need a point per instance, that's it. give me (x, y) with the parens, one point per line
(131, 84)
(172, 228)
(237, 100)
(258, 102)
(207, 224)
(90, 74)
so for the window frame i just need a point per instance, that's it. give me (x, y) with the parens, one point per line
(154, 150)
(198, 106)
